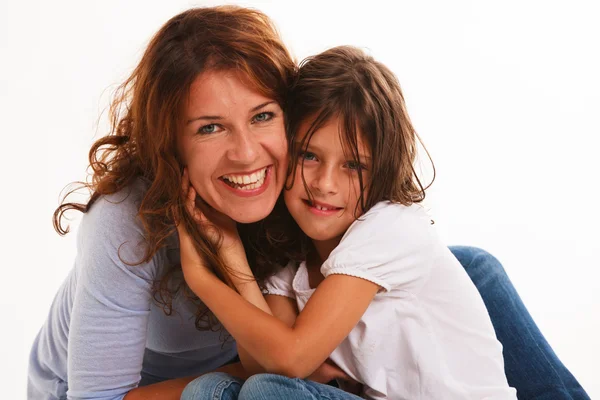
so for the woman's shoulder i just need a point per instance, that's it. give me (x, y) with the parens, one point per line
(112, 230)
(121, 207)
(116, 214)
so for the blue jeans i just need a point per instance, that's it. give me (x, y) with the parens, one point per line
(531, 365)
(221, 386)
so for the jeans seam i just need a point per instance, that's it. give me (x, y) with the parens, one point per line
(221, 387)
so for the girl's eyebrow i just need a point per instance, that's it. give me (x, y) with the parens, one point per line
(311, 147)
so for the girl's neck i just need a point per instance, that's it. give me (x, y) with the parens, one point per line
(320, 251)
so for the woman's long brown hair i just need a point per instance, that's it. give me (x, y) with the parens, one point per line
(146, 115)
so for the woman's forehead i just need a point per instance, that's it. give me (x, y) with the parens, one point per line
(220, 92)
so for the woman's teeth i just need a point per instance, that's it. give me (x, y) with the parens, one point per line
(246, 182)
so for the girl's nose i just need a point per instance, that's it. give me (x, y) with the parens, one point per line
(325, 180)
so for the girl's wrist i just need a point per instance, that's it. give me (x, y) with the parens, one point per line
(234, 256)
(202, 280)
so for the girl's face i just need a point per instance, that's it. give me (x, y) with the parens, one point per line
(332, 178)
(234, 146)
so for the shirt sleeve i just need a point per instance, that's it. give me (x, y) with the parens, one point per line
(391, 245)
(111, 305)
(281, 283)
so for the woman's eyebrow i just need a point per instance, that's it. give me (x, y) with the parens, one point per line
(213, 117)
(217, 117)
(258, 107)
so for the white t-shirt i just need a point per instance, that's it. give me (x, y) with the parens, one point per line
(427, 333)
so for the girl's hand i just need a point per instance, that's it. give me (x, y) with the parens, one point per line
(329, 371)
(217, 227)
(213, 222)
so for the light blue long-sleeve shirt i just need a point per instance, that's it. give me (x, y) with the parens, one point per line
(103, 330)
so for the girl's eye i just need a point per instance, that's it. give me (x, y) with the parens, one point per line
(307, 156)
(208, 129)
(263, 117)
(355, 165)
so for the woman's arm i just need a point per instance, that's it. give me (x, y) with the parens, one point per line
(111, 303)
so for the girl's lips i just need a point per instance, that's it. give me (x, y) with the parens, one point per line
(251, 192)
(328, 211)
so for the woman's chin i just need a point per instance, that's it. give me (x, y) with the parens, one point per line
(252, 213)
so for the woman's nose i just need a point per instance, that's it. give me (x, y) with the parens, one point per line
(245, 148)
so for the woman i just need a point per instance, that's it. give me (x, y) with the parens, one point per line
(124, 313)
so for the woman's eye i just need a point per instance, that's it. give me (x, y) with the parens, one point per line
(307, 156)
(262, 117)
(210, 128)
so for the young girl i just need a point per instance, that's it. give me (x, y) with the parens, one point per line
(370, 285)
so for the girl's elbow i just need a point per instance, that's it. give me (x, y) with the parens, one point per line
(290, 364)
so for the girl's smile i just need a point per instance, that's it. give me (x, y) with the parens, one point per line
(332, 178)
(323, 209)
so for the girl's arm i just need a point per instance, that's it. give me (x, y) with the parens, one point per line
(246, 285)
(286, 310)
(232, 253)
(264, 340)
(331, 313)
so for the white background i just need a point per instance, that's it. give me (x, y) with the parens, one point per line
(505, 94)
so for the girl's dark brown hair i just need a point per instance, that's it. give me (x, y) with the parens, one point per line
(146, 115)
(345, 83)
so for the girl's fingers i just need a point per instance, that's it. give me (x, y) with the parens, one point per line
(185, 182)
(192, 207)
(189, 196)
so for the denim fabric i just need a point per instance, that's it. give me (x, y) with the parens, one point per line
(276, 387)
(213, 386)
(530, 364)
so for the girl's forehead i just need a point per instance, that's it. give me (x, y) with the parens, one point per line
(331, 134)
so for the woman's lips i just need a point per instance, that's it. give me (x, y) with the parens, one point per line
(257, 184)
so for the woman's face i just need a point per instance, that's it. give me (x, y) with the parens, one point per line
(234, 146)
